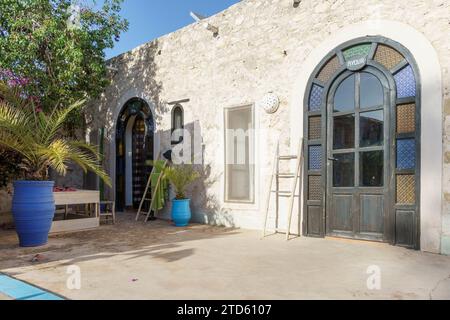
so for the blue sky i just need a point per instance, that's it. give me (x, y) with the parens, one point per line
(150, 19)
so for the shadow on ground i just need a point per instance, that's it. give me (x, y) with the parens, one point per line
(128, 238)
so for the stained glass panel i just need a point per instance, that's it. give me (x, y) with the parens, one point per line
(315, 128)
(406, 189)
(406, 154)
(315, 98)
(315, 157)
(314, 188)
(406, 83)
(329, 70)
(357, 51)
(387, 56)
(406, 118)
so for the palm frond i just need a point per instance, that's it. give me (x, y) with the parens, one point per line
(16, 121)
(88, 160)
(93, 149)
(55, 121)
(55, 155)
(10, 141)
(36, 137)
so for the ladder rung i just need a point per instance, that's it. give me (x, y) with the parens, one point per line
(287, 157)
(283, 193)
(286, 175)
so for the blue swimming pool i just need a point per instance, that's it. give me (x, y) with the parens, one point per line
(20, 290)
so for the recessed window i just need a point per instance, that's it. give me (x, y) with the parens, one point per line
(239, 154)
(177, 124)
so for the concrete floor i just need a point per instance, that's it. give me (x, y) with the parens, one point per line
(157, 261)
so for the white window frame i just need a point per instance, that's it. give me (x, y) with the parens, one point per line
(252, 153)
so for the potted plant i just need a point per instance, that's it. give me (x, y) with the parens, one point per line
(180, 177)
(39, 141)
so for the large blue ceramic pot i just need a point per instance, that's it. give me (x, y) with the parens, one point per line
(181, 212)
(33, 210)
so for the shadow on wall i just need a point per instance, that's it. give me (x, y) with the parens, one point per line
(132, 72)
(206, 206)
(136, 72)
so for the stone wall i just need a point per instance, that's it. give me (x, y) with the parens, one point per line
(5, 207)
(262, 46)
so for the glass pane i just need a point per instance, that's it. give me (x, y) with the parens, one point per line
(371, 128)
(315, 188)
(406, 189)
(372, 94)
(344, 99)
(315, 98)
(388, 57)
(344, 170)
(371, 169)
(406, 118)
(239, 154)
(359, 50)
(329, 70)
(406, 154)
(406, 83)
(315, 157)
(178, 119)
(344, 132)
(315, 128)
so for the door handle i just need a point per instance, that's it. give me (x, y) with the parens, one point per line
(333, 159)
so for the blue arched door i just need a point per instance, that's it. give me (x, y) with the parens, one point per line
(134, 151)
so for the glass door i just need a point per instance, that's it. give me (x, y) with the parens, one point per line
(358, 155)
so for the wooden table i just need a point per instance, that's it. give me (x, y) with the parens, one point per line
(79, 197)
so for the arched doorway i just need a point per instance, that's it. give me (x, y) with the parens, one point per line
(134, 151)
(363, 130)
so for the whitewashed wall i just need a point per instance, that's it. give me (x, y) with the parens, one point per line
(268, 45)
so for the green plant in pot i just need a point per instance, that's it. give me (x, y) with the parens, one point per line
(180, 177)
(37, 138)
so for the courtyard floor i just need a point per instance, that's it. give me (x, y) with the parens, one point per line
(157, 261)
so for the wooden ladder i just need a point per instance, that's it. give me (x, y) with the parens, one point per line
(276, 175)
(153, 198)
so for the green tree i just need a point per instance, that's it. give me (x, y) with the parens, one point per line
(57, 48)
